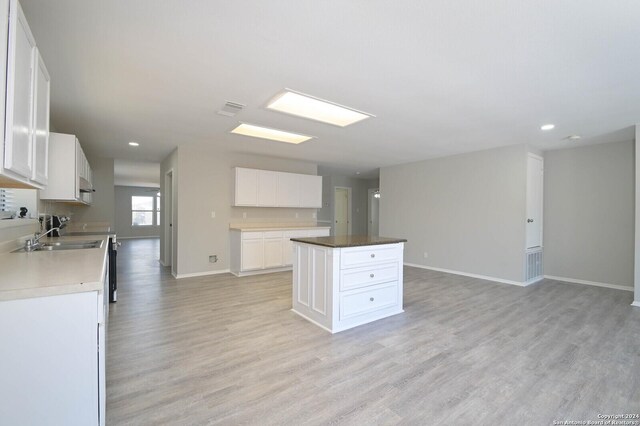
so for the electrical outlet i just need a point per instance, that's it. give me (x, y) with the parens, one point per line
(213, 215)
(213, 258)
(426, 254)
(315, 215)
(244, 215)
(297, 215)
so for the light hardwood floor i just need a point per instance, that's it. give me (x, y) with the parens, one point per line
(227, 350)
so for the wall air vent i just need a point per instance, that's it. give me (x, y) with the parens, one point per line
(230, 109)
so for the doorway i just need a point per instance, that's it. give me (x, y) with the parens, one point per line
(373, 208)
(342, 211)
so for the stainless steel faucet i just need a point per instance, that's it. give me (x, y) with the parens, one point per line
(33, 243)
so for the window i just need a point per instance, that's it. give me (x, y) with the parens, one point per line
(145, 210)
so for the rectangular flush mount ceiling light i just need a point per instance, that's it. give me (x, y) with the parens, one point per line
(306, 106)
(271, 134)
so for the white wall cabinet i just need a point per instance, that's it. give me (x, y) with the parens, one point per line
(70, 175)
(266, 188)
(24, 102)
(266, 250)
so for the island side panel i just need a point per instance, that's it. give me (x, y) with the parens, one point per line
(313, 278)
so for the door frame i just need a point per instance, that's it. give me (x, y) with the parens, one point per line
(170, 246)
(349, 208)
(370, 193)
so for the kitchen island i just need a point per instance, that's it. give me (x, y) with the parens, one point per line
(343, 282)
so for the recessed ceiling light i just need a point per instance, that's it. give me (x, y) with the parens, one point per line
(134, 144)
(306, 106)
(547, 126)
(271, 134)
(574, 137)
(357, 173)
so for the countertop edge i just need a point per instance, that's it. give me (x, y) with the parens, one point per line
(329, 245)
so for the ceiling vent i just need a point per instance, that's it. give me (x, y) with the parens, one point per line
(230, 109)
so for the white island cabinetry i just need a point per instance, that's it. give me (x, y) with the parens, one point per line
(343, 282)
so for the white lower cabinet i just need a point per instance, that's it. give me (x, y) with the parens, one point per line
(264, 251)
(341, 288)
(52, 361)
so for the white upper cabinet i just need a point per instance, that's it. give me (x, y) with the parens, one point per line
(20, 91)
(311, 191)
(267, 188)
(24, 102)
(264, 188)
(288, 190)
(41, 122)
(69, 171)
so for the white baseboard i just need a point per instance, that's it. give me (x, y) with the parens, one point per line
(636, 304)
(466, 274)
(200, 274)
(261, 271)
(593, 283)
(138, 238)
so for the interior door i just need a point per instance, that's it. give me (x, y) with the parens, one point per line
(535, 180)
(20, 68)
(341, 211)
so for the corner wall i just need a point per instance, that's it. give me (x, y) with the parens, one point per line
(589, 213)
(466, 211)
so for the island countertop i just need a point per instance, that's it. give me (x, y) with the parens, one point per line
(349, 241)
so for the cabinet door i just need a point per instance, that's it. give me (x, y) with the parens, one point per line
(246, 187)
(267, 188)
(252, 254)
(311, 191)
(41, 122)
(288, 190)
(19, 114)
(272, 252)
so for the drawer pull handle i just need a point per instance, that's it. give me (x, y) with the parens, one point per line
(373, 255)
(371, 275)
(371, 299)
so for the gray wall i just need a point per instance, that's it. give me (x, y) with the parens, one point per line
(359, 205)
(467, 211)
(589, 213)
(123, 226)
(205, 184)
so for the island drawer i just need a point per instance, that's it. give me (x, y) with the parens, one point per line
(368, 275)
(362, 256)
(368, 299)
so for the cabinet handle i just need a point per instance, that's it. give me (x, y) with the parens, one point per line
(371, 299)
(371, 275)
(373, 255)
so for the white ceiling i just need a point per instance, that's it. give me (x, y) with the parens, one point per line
(136, 173)
(441, 76)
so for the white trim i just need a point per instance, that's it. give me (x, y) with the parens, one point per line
(261, 271)
(138, 238)
(636, 304)
(311, 321)
(200, 274)
(466, 274)
(593, 283)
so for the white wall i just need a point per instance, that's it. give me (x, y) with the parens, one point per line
(467, 211)
(589, 213)
(205, 185)
(123, 226)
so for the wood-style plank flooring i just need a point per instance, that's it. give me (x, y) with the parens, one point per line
(227, 350)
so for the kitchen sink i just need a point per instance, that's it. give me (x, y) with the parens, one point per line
(64, 245)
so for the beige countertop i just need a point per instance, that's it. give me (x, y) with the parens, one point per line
(349, 241)
(49, 273)
(251, 227)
